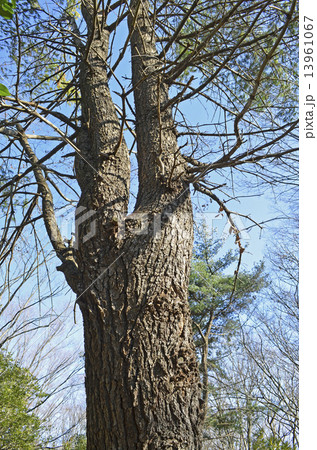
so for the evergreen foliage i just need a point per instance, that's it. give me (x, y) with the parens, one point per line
(20, 428)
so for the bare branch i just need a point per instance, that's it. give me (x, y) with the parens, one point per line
(65, 254)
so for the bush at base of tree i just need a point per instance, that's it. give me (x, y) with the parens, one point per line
(19, 428)
(77, 442)
(270, 443)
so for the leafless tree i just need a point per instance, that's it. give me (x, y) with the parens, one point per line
(254, 394)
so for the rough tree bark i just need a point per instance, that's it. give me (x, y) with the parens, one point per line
(142, 379)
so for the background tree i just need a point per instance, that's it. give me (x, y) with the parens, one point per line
(272, 343)
(217, 300)
(67, 73)
(41, 337)
(253, 390)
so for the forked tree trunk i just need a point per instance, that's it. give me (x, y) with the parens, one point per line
(142, 379)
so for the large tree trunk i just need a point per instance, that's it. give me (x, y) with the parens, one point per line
(142, 379)
(141, 371)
